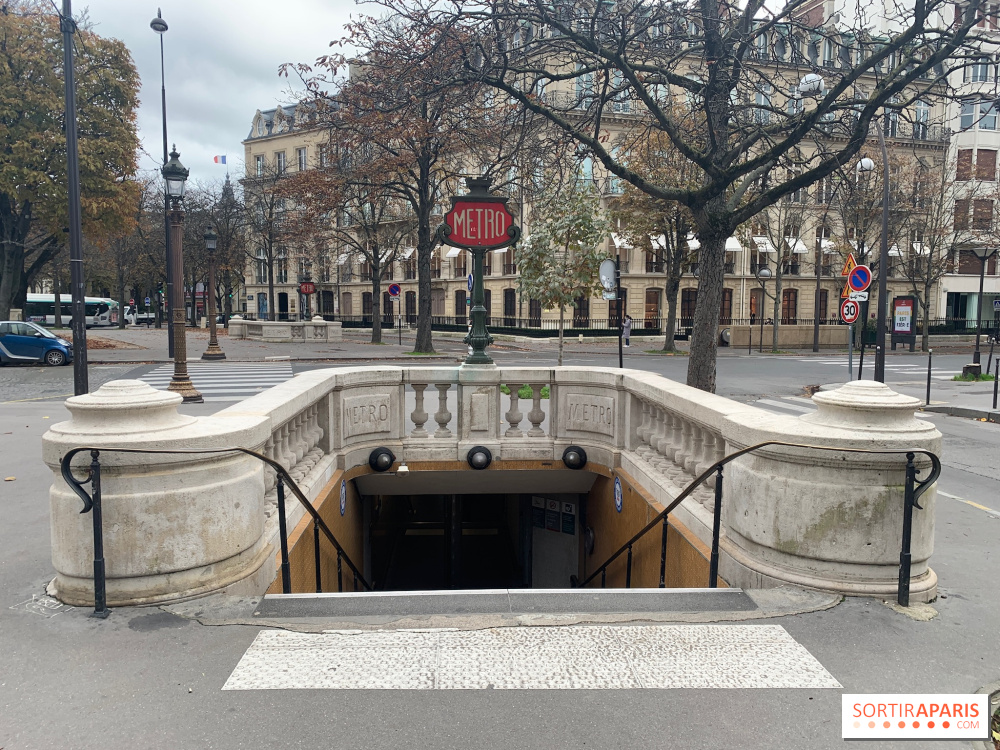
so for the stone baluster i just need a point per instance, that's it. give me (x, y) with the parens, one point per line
(643, 449)
(443, 416)
(674, 426)
(683, 443)
(676, 439)
(536, 416)
(270, 475)
(693, 453)
(514, 415)
(419, 416)
(281, 452)
(300, 445)
(657, 439)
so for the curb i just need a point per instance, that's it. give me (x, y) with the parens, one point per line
(346, 360)
(967, 412)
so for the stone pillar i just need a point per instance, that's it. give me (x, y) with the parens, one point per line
(823, 519)
(479, 408)
(175, 525)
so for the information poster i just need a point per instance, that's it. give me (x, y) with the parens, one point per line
(902, 315)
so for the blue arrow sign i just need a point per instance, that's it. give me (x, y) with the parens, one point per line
(470, 282)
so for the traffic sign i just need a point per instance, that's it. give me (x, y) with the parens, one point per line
(470, 282)
(849, 311)
(849, 265)
(858, 296)
(147, 301)
(618, 494)
(996, 305)
(859, 278)
(393, 290)
(307, 287)
(132, 302)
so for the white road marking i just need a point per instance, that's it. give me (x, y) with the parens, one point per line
(988, 511)
(225, 381)
(576, 658)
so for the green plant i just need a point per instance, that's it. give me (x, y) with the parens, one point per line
(524, 391)
(963, 378)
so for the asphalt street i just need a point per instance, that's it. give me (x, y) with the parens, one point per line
(145, 678)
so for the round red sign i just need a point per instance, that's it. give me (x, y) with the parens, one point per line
(307, 287)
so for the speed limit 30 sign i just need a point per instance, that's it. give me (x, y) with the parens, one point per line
(849, 310)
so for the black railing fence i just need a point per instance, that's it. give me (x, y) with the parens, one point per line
(92, 504)
(913, 489)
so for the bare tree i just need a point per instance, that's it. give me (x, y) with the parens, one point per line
(772, 88)
(264, 217)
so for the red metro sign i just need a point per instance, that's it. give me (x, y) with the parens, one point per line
(478, 220)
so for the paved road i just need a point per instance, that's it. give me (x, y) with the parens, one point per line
(147, 679)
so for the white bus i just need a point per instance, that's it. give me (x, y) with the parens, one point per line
(41, 308)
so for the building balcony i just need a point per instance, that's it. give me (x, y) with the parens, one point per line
(654, 266)
(509, 269)
(729, 268)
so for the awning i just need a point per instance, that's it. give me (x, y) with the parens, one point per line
(733, 245)
(692, 242)
(501, 249)
(408, 251)
(764, 245)
(894, 251)
(918, 248)
(453, 252)
(828, 246)
(343, 258)
(796, 245)
(620, 242)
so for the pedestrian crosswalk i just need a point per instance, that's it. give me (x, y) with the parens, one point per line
(915, 369)
(225, 381)
(794, 406)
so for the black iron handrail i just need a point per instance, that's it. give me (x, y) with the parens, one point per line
(93, 502)
(913, 491)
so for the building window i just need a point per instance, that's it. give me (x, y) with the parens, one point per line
(762, 112)
(967, 115)
(982, 214)
(963, 166)
(726, 311)
(824, 297)
(987, 116)
(281, 270)
(300, 156)
(279, 161)
(962, 206)
(794, 101)
(259, 166)
(689, 300)
(789, 306)
(981, 70)
(921, 119)
(986, 164)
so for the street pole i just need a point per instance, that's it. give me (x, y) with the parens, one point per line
(160, 27)
(850, 351)
(619, 315)
(478, 338)
(214, 351)
(883, 271)
(79, 323)
(979, 305)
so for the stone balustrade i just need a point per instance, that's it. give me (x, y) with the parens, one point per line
(789, 515)
(316, 330)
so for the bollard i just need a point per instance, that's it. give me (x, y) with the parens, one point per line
(930, 356)
(989, 362)
(996, 380)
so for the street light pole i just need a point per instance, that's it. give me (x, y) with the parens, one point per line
(214, 351)
(80, 381)
(883, 270)
(175, 176)
(160, 27)
(763, 274)
(984, 253)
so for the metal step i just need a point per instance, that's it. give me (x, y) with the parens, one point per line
(503, 601)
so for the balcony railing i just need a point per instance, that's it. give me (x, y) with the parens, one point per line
(435, 273)
(729, 268)
(460, 272)
(790, 269)
(509, 269)
(409, 273)
(654, 266)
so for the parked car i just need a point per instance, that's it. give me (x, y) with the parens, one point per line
(134, 317)
(29, 342)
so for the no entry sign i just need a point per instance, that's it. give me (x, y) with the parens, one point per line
(849, 311)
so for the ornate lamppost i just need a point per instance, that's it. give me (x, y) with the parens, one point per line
(160, 27)
(478, 222)
(175, 175)
(763, 274)
(213, 351)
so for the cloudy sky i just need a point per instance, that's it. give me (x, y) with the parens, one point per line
(221, 60)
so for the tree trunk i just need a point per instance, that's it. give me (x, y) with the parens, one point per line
(425, 245)
(670, 288)
(562, 318)
(705, 333)
(776, 307)
(376, 304)
(121, 299)
(271, 301)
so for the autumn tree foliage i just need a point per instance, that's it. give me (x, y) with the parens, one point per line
(33, 177)
(560, 259)
(401, 102)
(765, 129)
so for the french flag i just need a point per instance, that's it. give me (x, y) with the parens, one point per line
(220, 159)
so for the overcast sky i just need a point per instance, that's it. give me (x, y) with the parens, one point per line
(221, 60)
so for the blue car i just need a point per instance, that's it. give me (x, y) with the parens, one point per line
(29, 342)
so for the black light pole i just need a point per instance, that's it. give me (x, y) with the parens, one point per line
(984, 253)
(883, 266)
(80, 384)
(619, 313)
(160, 27)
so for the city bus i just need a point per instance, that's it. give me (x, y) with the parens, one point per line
(41, 308)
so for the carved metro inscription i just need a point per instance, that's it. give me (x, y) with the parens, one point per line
(366, 414)
(591, 413)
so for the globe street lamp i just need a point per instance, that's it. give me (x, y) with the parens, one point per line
(160, 27)
(984, 253)
(175, 175)
(763, 274)
(213, 351)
